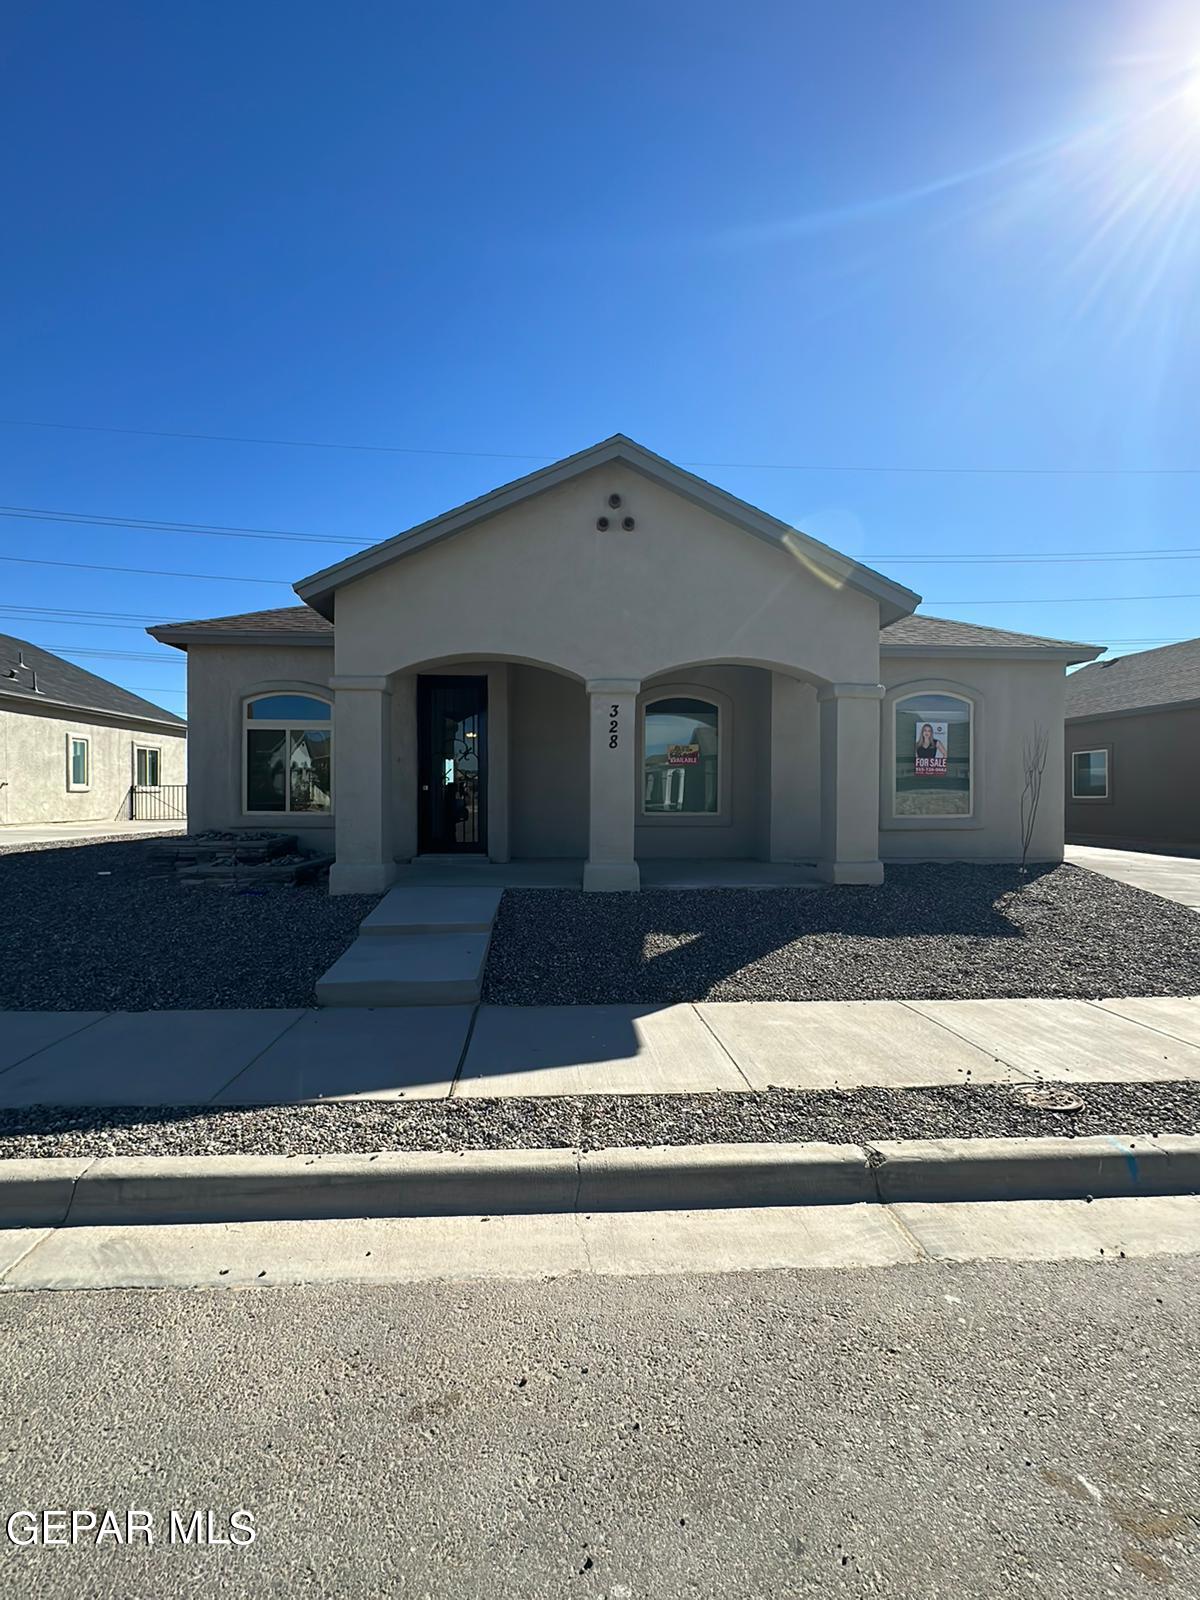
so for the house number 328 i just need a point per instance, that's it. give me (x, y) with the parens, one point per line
(614, 727)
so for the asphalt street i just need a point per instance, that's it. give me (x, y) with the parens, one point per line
(957, 1430)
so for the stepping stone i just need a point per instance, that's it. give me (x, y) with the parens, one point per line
(408, 969)
(417, 910)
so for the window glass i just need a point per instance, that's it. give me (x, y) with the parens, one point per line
(266, 757)
(147, 769)
(289, 762)
(288, 708)
(1089, 775)
(79, 763)
(933, 756)
(679, 773)
(310, 770)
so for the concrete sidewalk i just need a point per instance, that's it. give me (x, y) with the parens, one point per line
(228, 1058)
(1171, 877)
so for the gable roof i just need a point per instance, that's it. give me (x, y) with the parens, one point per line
(942, 635)
(61, 683)
(282, 625)
(894, 599)
(1148, 678)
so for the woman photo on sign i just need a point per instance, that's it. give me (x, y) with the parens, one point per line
(929, 748)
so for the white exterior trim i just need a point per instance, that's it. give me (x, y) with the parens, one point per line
(75, 737)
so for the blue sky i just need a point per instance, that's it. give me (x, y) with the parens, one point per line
(757, 238)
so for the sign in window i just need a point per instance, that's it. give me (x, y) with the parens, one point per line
(680, 765)
(933, 756)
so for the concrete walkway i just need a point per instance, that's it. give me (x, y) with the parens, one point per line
(1173, 877)
(228, 1058)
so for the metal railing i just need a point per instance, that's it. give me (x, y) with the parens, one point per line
(166, 802)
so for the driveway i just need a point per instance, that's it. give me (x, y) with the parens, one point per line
(1172, 877)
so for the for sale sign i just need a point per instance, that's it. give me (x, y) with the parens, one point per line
(931, 749)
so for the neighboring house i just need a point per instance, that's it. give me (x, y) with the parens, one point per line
(611, 660)
(1133, 750)
(73, 746)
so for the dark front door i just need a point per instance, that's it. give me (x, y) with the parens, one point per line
(452, 764)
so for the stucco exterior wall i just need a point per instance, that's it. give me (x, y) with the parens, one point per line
(1011, 698)
(220, 676)
(1153, 780)
(34, 765)
(549, 765)
(741, 830)
(683, 587)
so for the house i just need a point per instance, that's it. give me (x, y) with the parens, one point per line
(74, 747)
(613, 661)
(1133, 750)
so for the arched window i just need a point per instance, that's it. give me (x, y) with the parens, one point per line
(680, 757)
(288, 753)
(934, 753)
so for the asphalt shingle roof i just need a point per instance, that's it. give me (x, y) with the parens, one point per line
(67, 684)
(283, 619)
(1148, 678)
(946, 633)
(938, 631)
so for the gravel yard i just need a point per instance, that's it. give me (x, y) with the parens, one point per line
(933, 932)
(108, 927)
(593, 1122)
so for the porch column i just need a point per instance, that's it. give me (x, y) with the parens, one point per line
(613, 757)
(850, 783)
(362, 741)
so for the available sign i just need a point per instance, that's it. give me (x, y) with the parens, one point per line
(931, 749)
(683, 755)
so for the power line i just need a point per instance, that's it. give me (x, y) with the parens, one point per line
(289, 536)
(56, 611)
(145, 572)
(505, 455)
(115, 655)
(157, 525)
(1065, 557)
(294, 444)
(1062, 600)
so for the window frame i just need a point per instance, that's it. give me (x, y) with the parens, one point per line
(723, 705)
(148, 749)
(85, 740)
(288, 726)
(889, 818)
(1093, 799)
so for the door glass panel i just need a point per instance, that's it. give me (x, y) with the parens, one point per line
(453, 763)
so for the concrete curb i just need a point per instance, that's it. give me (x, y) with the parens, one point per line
(162, 1189)
(1037, 1169)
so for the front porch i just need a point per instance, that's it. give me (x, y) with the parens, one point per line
(520, 774)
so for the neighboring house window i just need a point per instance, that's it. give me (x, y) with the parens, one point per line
(681, 756)
(289, 753)
(147, 767)
(1089, 775)
(934, 738)
(79, 762)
